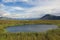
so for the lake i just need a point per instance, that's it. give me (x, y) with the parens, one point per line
(31, 28)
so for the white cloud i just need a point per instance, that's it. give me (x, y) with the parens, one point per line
(41, 8)
(4, 13)
(23, 0)
(26, 15)
(17, 8)
(15, 0)
(9, 0)
(46, 7)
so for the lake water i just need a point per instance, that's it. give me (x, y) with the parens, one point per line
(31, 28)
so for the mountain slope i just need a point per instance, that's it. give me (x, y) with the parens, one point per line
(50, 17)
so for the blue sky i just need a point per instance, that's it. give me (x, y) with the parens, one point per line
(29, 8)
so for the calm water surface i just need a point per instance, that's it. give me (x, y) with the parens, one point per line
(31, 28)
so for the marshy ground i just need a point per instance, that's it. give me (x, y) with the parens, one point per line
(49, 35)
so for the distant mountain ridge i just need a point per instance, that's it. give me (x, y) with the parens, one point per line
(45, 17)
(5, 18)
(50, 17)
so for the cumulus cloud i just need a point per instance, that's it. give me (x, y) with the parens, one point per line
(17, 8)
(15, 0)
(41, 8)
(26, 14)
(5, 13)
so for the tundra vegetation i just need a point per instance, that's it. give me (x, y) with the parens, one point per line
(48, 35)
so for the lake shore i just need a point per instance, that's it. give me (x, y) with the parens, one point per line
(49, 35)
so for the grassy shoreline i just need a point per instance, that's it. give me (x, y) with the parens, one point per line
(49, 35)
(7, 23)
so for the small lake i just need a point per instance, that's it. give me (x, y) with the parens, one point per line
(31, 28)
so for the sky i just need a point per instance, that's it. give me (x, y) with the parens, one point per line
(29, 8)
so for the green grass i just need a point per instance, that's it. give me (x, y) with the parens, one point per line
(49, 35)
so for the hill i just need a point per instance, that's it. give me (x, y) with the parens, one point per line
(50, 17)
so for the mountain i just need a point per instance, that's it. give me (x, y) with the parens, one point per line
(5, 18)
(45, 17)
(50, 17)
